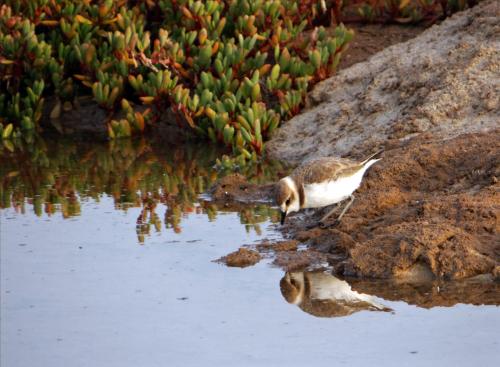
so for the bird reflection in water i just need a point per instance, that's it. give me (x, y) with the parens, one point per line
(323, 295)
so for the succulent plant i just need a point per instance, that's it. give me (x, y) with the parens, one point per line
(25, 62)
(230, 70)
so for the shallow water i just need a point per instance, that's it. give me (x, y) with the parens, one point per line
(107, 260)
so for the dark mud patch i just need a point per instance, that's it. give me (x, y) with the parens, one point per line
(241, 258)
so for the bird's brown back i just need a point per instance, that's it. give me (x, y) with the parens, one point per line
(324, 169)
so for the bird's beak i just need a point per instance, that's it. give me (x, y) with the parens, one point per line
(283, 216)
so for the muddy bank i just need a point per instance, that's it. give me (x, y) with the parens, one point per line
(430, 208)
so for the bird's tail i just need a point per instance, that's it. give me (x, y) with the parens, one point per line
(374, 156)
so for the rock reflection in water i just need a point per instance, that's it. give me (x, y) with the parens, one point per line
(323, 295)
(56, 176)
(480, 290)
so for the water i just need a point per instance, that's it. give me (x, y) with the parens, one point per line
(107, 260)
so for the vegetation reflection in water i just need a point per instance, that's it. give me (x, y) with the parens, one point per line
(56, 176)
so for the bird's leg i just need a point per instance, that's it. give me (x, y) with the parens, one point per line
(330, 212)
(337, 221)
(346, 207)
(315, 224)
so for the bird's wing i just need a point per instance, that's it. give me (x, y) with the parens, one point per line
(324, 169)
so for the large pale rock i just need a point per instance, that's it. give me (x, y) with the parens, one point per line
(445, 81)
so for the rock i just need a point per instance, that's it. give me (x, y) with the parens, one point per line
(287, 245)
(241, 258)
(444, 82)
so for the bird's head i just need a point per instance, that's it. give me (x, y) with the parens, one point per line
(287, 197)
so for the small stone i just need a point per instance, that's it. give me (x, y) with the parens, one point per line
(241, 258)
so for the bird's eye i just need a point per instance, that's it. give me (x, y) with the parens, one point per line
(287, 202)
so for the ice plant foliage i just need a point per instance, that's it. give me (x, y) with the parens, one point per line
(229, 70)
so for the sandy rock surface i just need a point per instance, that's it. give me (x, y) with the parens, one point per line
(430, 208)
(445, 81)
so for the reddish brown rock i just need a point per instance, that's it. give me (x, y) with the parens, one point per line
(429, 203)
(241, 258)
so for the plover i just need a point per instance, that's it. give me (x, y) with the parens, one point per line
(321, 182)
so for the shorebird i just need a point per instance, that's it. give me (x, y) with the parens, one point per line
(321, 182)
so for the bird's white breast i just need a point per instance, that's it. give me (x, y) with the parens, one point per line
(325, 193)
